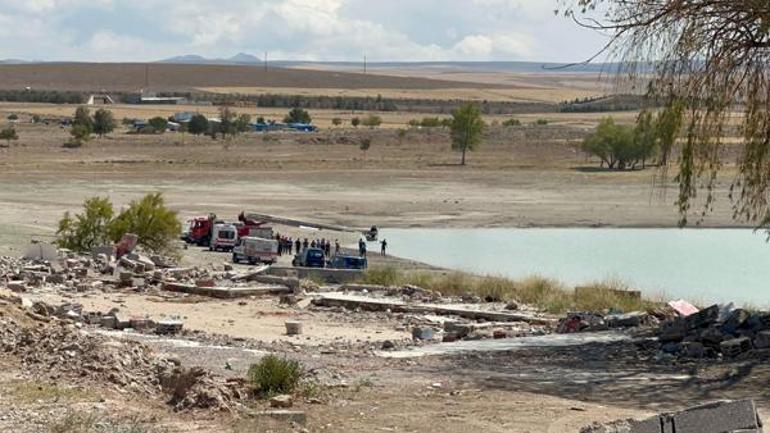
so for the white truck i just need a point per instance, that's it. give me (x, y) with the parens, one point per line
(223, 237)
(256, 250)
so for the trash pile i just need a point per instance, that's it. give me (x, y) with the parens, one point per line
(594, 322)
(683, 330)
(58, 349)
(715, 331)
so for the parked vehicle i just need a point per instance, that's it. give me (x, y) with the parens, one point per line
(200, 228)
(223, 237)
(255, 250)
(310, 258)
(252, 228)
(372, 234)
(348, 262)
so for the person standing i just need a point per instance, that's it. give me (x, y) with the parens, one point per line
(298, 245)
(336, 247)
(384, 246)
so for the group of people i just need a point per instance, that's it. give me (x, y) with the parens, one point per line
(362, 247)
(288, 245)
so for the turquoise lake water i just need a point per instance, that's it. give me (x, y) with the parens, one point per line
(700, 265)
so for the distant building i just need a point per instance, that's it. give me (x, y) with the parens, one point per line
(155, 100)
(102, 99)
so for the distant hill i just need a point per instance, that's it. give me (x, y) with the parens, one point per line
(194, 59)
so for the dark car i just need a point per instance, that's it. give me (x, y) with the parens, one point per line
(348, 262)
(310, 258)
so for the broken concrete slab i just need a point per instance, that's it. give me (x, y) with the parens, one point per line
(169, 326)
(762, 340)
(41, 251)
(252, 273)
(293, 327)
(717, 417)
(703, 318)
(337, 299)
(288, 416)
(226, 292)
(735, 346)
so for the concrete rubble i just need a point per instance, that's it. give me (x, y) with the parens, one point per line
(718, 417)
(60, 350)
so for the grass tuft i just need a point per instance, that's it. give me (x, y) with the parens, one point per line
(274, 375)
(545, 294)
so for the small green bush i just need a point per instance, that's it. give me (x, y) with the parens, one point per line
(274, 375)
(512, 122)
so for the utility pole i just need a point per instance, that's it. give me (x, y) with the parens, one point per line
(146, 77)
(364, 63)
(265, 61)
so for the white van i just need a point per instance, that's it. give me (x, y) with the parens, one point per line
(223, 237)
(255, 250)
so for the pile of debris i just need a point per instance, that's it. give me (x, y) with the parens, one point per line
(715, 331)
(595, 322)
(58, 349)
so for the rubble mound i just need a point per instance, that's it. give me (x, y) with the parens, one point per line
(196, 388)
(58, 349)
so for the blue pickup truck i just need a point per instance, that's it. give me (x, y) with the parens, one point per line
(348, 262)
(310, 258)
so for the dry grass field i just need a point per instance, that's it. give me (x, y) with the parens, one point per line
(521, 93)
(131, 77)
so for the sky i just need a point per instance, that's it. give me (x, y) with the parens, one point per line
(318, 30)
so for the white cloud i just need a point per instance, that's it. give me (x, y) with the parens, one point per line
(291, 29)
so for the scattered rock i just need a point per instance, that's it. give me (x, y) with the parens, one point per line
(283, 401)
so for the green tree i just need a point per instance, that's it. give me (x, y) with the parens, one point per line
(199, 124)
(83, 119)
(297, 115)
(243, 123)
(8, 134)
(667, 125)
(401, 135)
(645, 137)
(372, 121)
(355, 122)
(365, 144)
(103, 122)
(336, 121)
(430, 122)
(156, 226)
(227, 125)
(708, 61)
(86, 230)
(80, 134)
(614, 145)
(466, 129)
(158, 124)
